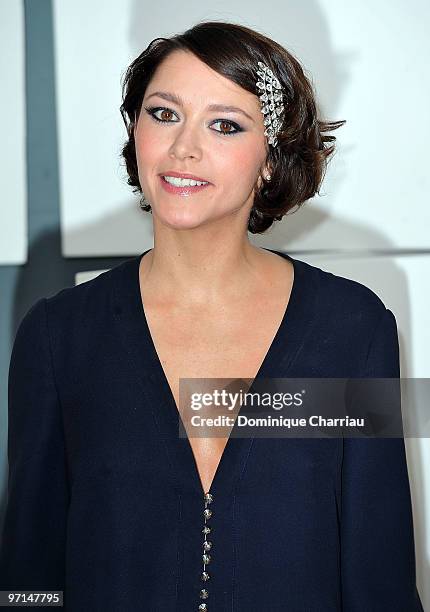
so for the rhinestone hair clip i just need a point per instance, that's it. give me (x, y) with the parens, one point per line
(270, 93)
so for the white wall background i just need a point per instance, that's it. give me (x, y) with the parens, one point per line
(13, 193)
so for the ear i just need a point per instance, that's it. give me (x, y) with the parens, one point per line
(265, 171)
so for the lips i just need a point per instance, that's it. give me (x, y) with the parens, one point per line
(184, 175)
(186, 190)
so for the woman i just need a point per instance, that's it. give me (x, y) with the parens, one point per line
(106, 501)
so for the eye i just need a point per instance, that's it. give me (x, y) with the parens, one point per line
(227, 123)
(152, 110)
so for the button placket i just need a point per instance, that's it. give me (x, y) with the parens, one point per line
(207, 546)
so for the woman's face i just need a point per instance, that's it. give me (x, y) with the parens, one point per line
(224, 148)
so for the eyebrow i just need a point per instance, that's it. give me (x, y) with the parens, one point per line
(223, 108)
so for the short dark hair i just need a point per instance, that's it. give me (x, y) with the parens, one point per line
(298, 163)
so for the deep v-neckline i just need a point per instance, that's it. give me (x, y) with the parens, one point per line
(157, 401)
(270, 354)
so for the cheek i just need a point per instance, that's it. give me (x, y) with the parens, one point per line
(148, 153)
(240, 167)
(146, 144)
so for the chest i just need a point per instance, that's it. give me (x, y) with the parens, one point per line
(223, 343)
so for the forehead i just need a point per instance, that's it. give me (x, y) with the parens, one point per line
(184, 74)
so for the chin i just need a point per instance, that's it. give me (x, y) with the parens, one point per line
(180, 219)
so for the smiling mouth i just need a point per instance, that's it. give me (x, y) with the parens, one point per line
(182, 189)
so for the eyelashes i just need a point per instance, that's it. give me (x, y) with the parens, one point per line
(151, 110)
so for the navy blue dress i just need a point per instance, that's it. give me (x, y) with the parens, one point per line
(105, 501)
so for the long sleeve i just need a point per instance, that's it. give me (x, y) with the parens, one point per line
(32, 553)
(377, 540)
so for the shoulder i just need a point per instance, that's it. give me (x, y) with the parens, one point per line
(340, 298)
(80, 306)
(95, 288)
(97, 294)
(346, 314)
(349, 328)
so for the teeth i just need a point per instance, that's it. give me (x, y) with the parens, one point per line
(181, 182)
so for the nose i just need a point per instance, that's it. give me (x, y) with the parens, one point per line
(186, 143)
